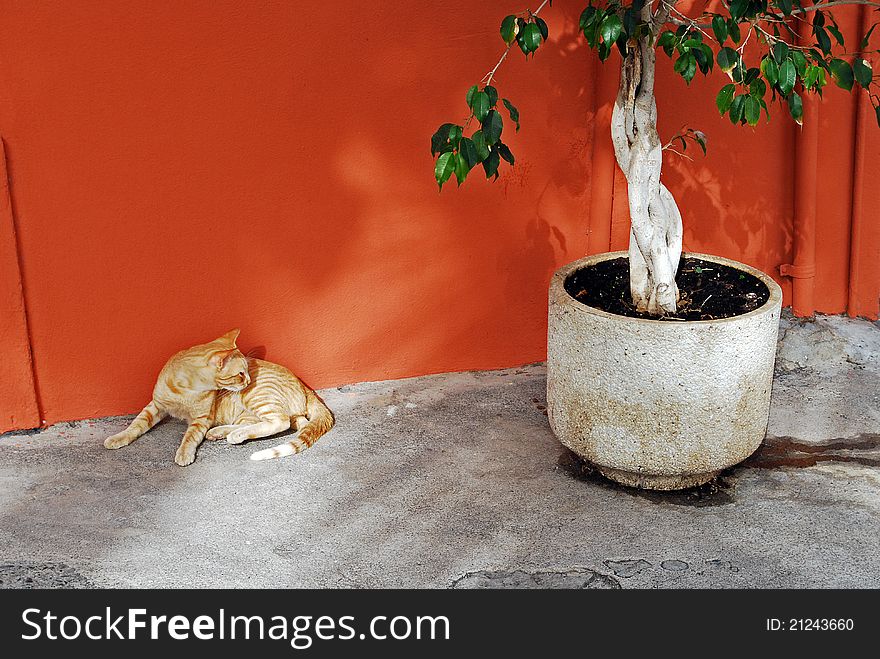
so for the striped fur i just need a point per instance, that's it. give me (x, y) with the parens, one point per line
(221, 393)
(274, 401)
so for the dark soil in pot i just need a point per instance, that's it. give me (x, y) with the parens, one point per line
(708, 290)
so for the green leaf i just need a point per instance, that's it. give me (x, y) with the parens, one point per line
(700, 56)
(514, 113)
(530, 37)
(440, 137)
(455, 135)
(490, 164)
(708, 55)
(823, 39)
(700, 138)
(504, 152)
(480, 105)
(842, 73)
(758, 88)
(800, 62)
(468, 150)
(461, 168)
(752, 110)
(733, 30)
(785, 6)
(470, 95)
(770, 70)
(787, 77)
(736, 109)
(508, 29)
(479, 142)
(867, 38)
(725, 97)
(666, 40)
(796, 107)
(630, 21)
(492, 127)
(780, 52)
(444, 168)
(751, 75)
(863, 72)
(811, 76)
(542, 26)
(719, 27)
(877, 112)
(611, 28)
(727, 59)
(738, 8)
(587, 16)
(686, 66)
(492, 93)
(835, 31)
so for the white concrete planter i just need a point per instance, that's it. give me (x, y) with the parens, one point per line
(659, 423)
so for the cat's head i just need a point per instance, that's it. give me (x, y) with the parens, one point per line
(227, 364)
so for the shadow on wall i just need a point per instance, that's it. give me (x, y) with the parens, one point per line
(476, 260)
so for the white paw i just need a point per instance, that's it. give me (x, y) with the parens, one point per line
(186, 455)
(117, 441)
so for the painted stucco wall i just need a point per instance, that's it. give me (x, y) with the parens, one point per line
(181, 168)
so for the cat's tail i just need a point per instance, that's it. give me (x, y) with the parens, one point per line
(320, 422)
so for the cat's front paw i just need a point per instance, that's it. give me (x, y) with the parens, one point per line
(236, 437)
(117, 441)
(185, 455)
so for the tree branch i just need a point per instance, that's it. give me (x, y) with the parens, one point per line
(487, 79)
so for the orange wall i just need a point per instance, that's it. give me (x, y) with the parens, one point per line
(180, 168)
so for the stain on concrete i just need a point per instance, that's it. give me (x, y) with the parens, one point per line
(540, 405)
(674, 566)
(722, 564)
(572, 578)
(42, 575)
(628, 567)
(777, 452)
(717, 492)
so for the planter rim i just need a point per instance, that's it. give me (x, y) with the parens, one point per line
(557, 284)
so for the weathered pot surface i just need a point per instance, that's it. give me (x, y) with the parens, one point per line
(659, 404)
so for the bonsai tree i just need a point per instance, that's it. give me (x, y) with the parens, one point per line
(801, 51)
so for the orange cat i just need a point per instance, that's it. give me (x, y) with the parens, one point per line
(221, 393)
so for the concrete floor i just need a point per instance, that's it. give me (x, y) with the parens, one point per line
(456, 480)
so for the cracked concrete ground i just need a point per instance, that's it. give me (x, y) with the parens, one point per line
(456, 480)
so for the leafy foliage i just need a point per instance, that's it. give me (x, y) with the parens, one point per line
(783, 68)
(458, 155)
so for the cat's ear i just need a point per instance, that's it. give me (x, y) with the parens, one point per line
(219, 358)
(230, 337)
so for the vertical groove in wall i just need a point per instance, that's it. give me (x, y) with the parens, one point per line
(603, 162)
(858, 300)
(30, 417)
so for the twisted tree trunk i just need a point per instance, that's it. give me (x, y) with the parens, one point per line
(656, 232)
